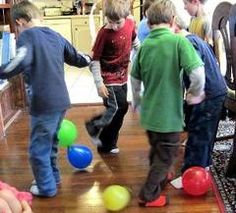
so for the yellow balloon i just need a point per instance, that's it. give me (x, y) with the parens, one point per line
(116, 197)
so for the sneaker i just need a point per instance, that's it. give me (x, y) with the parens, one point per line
(161, 201)
(177, 183)
(35, 191)
(34, 182)
(105, 150)
(114, 151)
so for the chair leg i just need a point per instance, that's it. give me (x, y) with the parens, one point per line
(231, 170)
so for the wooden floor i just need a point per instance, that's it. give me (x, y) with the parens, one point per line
(80, 191)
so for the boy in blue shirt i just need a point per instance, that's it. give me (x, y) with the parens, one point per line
(202, 119)
(41, 53)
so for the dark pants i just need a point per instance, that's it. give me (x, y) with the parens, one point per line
(203, 120)
(108, 124)
(163, 151)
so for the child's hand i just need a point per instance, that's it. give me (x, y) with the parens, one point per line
(26, 207)
(102, 91)
(191, 100)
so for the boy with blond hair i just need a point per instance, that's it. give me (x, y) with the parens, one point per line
(199, 24)
(159, 64)
(111, 54)
(41, 53)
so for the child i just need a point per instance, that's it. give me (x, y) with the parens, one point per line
(159, 64)
(14, 201)
(143, 28)
(199, 24)
(41, 53)
(111, 54)
(203, 118)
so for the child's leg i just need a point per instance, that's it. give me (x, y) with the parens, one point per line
(104, 128)
(201, 133)
(164, 147)
(110, 132)
(54, 151)
(9, 202)
(42, 142)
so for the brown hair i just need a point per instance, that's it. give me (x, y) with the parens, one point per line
(25, 10)
(116, 9)
(146, 5)
(161, 11)
(202, 1)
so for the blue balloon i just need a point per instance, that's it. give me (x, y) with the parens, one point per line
(79, 156)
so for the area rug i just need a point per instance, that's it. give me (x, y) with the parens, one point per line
(225, 188)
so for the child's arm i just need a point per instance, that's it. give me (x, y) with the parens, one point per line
(95, 68)
(136, 90)
(136, 43)
(74, 57)
(16, 65)
(195, 93)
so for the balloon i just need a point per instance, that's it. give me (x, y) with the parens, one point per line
(67, 133)
(196, 181)
(116, 197)
(79, 156)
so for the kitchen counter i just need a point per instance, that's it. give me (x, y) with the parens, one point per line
(68, 16)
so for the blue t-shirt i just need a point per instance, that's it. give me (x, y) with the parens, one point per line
(41, 56)
(215, 84)
(143, 30)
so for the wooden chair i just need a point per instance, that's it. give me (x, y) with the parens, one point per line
(224, 37)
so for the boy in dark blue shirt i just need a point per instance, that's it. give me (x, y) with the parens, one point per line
(41, 53)
(202, 119)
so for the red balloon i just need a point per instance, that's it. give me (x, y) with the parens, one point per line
(196, 181)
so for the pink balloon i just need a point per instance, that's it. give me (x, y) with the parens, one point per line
(196, 181)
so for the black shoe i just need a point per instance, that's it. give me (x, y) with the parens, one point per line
(93, 133)
(103, 150)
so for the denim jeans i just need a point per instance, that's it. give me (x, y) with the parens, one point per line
(43, 151)
(202, 128)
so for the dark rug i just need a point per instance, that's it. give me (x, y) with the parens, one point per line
(224, 187)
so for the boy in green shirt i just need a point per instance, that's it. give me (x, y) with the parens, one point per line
(159, 64)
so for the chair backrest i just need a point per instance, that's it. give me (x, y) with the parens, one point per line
(223, 27)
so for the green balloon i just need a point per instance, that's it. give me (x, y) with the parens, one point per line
(116, 197)
(67, 133)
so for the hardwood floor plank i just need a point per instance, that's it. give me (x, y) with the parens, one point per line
(81, 191)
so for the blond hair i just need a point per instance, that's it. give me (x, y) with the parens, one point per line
(161, 11)
(180, 23)
(25, 10)
(116, 9)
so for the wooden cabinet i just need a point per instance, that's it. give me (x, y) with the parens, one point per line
(75, 29)
(60, 25)
(136, 10)
(81, 33)
(12, 94)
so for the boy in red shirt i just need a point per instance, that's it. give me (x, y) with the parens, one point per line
(111, 53)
